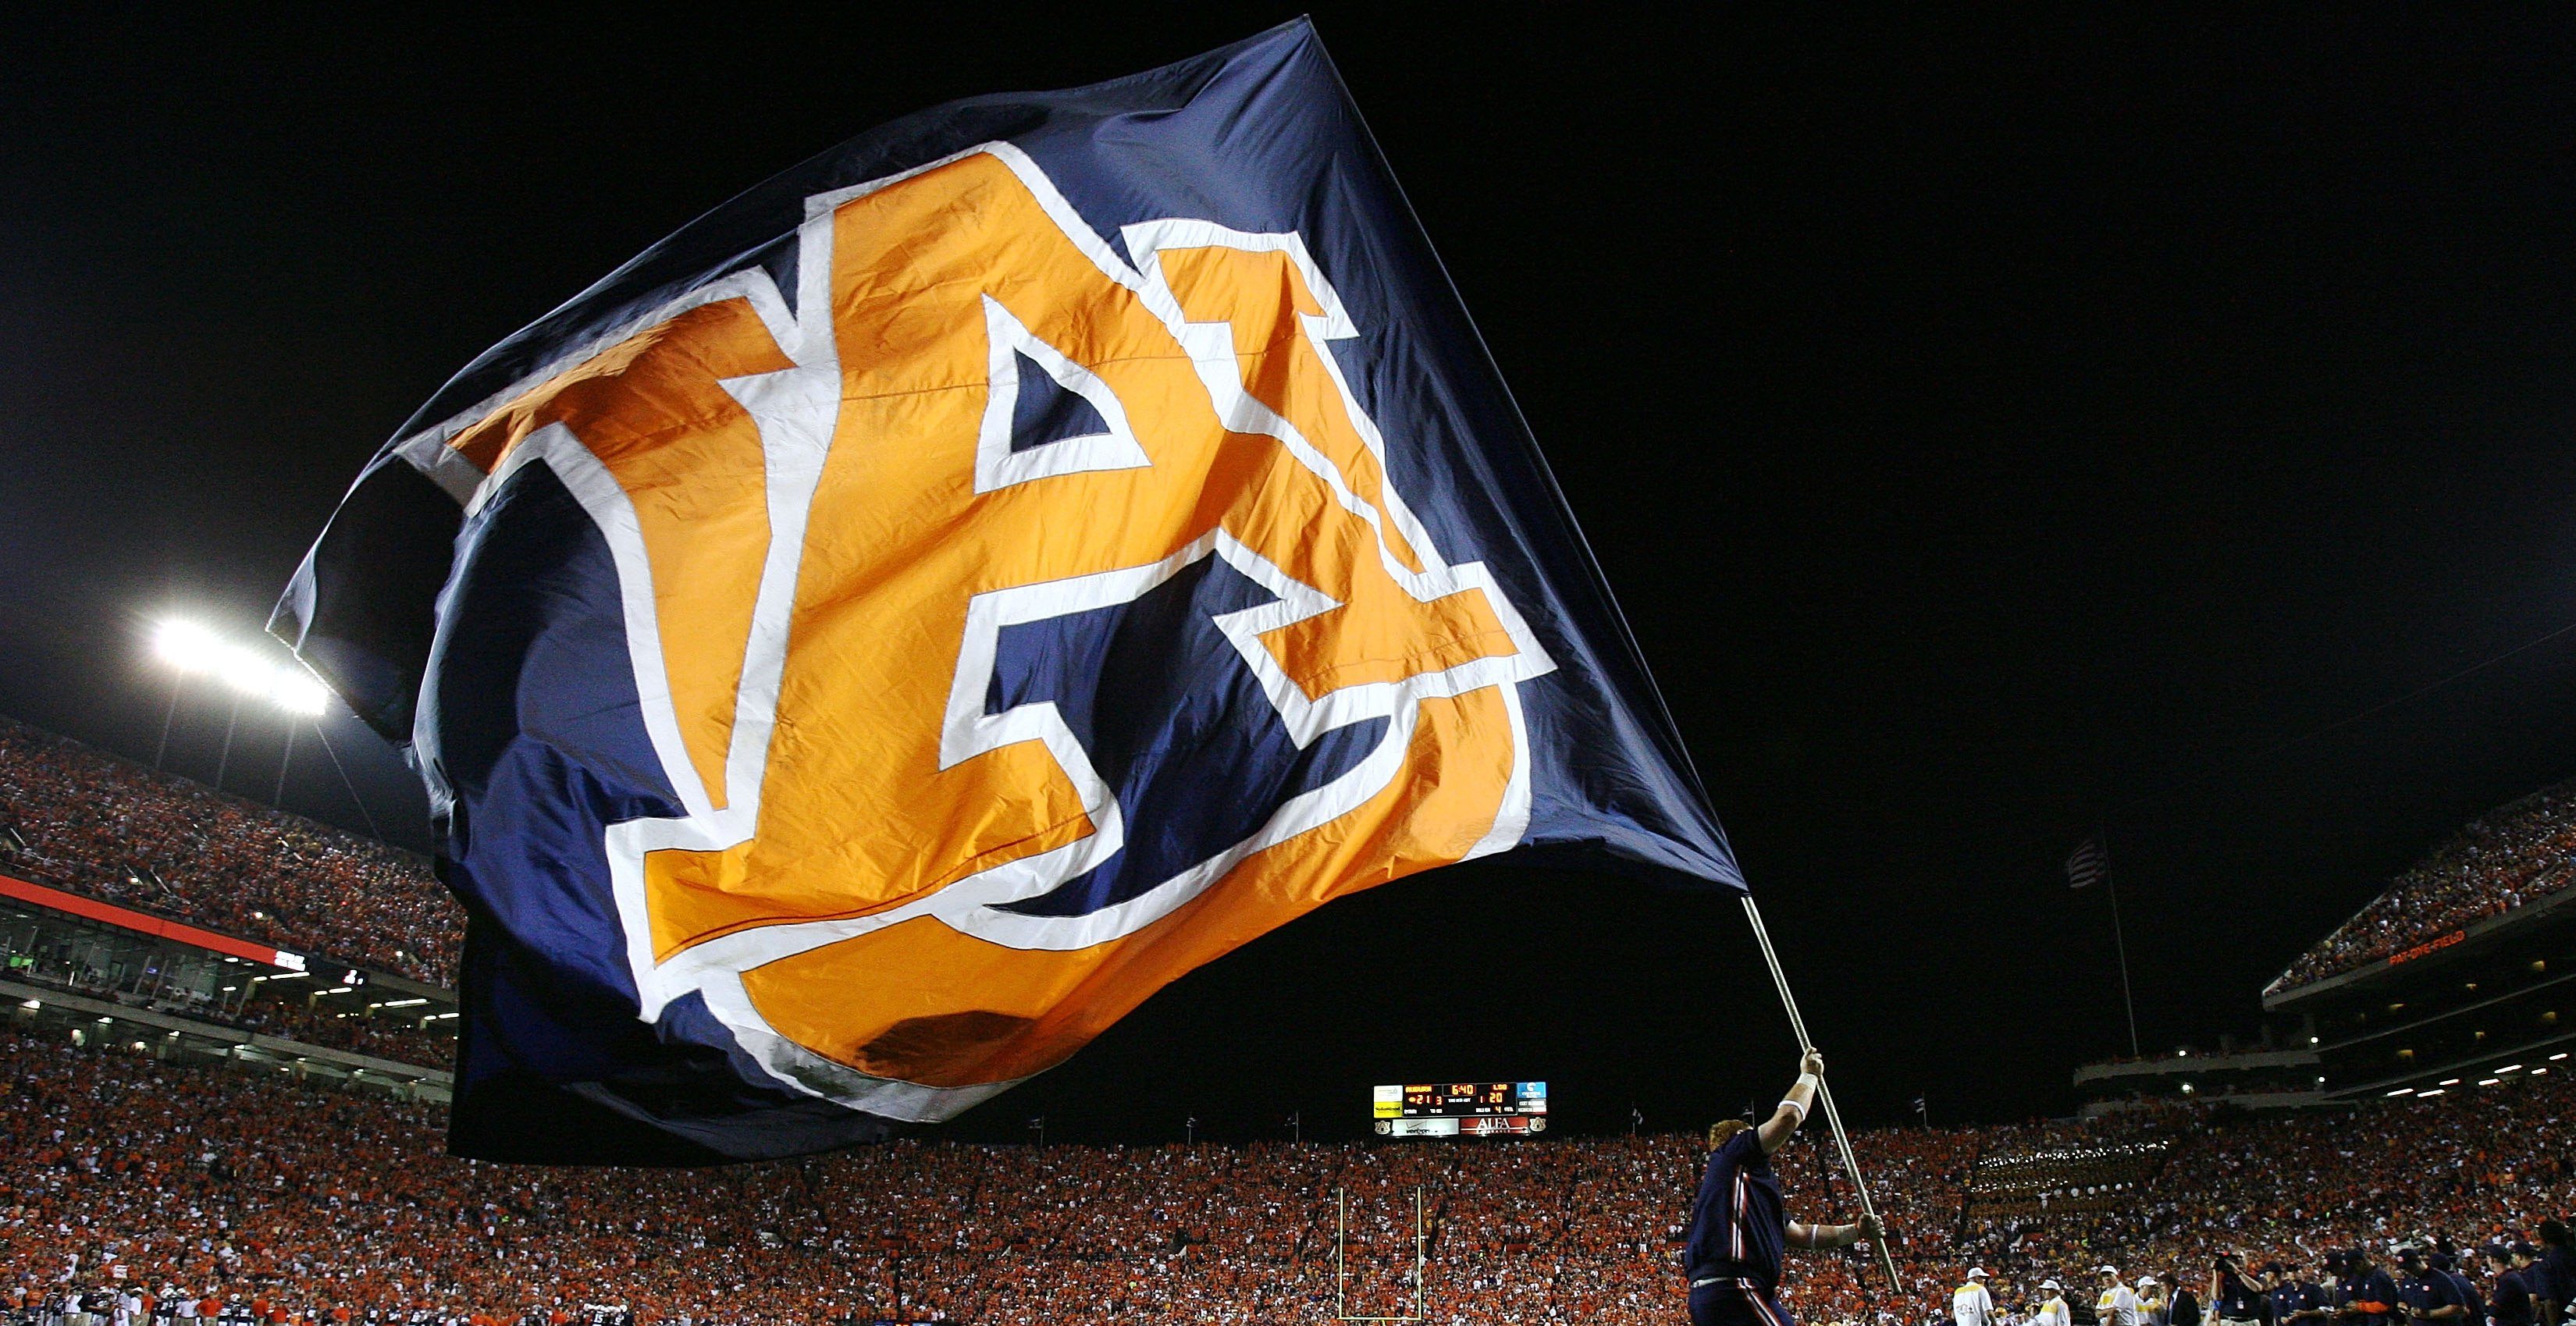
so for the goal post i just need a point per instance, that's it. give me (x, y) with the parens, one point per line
(1341, 1272)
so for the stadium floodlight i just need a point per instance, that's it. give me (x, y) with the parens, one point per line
(2489, 1081)
(2403, 1091)
(2558, 1056)
(186, 646)
(2508, 1068)
(2448, 1082)
(297, 693)
(190, 649)
(2426, 1095)
(243, 670)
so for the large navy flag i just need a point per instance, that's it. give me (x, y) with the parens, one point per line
(875, 639)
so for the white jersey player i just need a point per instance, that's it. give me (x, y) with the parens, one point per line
(2052, 1310)
(1970, 1304)
(2118, 1305)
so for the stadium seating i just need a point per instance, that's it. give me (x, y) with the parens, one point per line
(214, 1180)
(2513, 855)
(88, 821)
(308, 1203)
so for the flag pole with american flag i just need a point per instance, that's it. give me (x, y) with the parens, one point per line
(2090, 863)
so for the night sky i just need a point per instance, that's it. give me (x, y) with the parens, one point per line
(1998, 432)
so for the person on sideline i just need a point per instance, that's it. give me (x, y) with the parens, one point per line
(2052, 1309)
(1971, 1305)
(2118, 1305)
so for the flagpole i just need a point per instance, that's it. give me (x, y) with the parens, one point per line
(1824, 1093)
(2120, 943)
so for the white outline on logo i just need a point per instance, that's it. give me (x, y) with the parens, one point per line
(795, 410)
(996, 465)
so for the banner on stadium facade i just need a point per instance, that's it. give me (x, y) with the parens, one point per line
(873, 640)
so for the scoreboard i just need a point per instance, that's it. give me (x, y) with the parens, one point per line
(1454, 1109)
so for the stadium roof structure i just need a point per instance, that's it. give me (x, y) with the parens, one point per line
(2258, 1077)
(2519, 844)
(2492, 997)
(2457, 974)
(113, 974)
(2466, 945)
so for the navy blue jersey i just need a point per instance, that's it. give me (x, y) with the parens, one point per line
(2469, 1296)
(1738, 1225)
(2513, 1299)
(2431, 1290)
(2296, 1296)
(2371, 1293)
(2238, 1300)
(2556, 1280)
(2183, 1309)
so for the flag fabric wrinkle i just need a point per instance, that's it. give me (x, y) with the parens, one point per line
(876, 638)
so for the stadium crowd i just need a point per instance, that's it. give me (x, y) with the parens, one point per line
(74, 818)
(167, 1191)
(2512, 855)
(389, 1036)
(290, 1204)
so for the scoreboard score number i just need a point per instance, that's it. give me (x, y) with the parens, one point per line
(1461, 1109)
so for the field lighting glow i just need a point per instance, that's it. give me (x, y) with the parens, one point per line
(192, 649)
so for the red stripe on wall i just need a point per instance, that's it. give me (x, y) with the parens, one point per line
(93, 909)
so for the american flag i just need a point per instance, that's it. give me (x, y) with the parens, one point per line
(2088, 864)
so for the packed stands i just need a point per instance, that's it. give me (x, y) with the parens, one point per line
(2511, 856)
(223, 1182)
(76, 819)
(245, 1184)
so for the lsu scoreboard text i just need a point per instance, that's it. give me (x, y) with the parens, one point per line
(1453, 1109)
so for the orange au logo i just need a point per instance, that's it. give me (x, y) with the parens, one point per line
(1020, 622)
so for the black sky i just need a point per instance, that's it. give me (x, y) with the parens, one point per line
(1996, 430)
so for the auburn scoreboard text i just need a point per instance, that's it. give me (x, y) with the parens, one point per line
(1452, 1109)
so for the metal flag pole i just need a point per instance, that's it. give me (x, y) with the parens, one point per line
(2120, 942)
(1824, 1093)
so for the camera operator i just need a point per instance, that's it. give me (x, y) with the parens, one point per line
(2235, 1293)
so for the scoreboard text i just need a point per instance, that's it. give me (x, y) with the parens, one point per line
(1450, 1109)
